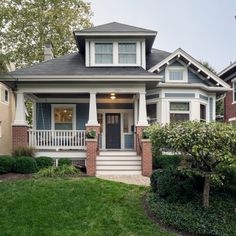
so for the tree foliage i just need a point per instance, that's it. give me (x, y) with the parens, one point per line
(26, 25)
(206, 145)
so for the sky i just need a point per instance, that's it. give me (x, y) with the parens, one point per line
(206, 29)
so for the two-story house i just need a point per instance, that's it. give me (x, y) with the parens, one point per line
(117, 84)
(229, 76)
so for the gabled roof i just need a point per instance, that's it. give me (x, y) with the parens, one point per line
(115, 27)
(191, 63)
(228, 73)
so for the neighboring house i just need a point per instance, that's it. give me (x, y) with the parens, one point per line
(7, 111)
(116, 84)
(229, 76)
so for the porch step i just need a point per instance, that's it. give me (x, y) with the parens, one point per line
(119, 172)
(119, 153)
(118, 163)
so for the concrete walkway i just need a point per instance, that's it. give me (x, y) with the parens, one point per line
(128, 179)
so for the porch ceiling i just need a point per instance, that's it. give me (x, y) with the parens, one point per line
(81, 95)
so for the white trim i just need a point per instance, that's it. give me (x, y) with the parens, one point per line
(115, 34)
(232, 119)
(196, 85)
(176, 68)
(233, 93)
(115, 53)
(193, 61)
(84, 78)
(53, 106)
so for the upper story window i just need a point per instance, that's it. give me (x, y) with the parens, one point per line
(127, 53)
(234, 92)
(4, 95)
(176, 74)
(103, 53)
(115, 53)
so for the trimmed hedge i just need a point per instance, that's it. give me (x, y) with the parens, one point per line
(175, 185)
(25, 165)
(6, 164)
(166, 161)
(64, 161)
(43, 162)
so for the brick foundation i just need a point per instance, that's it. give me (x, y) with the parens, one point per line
(20, 136)
(146, 157)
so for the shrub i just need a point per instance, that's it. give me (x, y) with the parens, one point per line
(6, 164)
(25, 165)
(64, 161)
(191, 218)
(43, 162)
(60, 171)
(91, 134)
(166, 161)
(23, 152)
(173, 185)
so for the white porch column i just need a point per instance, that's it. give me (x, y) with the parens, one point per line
(92, 110)
(20, 118)
(142, 118)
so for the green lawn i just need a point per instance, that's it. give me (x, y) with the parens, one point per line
(86, 206)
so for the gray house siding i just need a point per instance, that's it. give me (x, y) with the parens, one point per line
(43, 116)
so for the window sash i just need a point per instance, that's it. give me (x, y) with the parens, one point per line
(234, 92)
(63, 118)
(179, 107)
(176, 75)
(103, 53)
(202, 112)
(175, 117)
(127, 53)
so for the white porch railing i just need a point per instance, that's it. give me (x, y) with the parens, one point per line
(57, 139)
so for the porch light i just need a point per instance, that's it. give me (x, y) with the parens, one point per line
(113, 96)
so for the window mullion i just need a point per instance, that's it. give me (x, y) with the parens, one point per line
(115, 53)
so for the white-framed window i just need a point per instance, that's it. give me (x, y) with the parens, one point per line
(234, 91)
(63, 117)
(114, 53)
(4, 95)
(176, 74)
(0, 129)
(202, 112)
(179, 111)
(127, 53)
(103, 53)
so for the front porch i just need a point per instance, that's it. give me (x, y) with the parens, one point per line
(61, 119)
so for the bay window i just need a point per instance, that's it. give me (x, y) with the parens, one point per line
(179, 111)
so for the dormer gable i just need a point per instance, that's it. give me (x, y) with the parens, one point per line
(115, 44)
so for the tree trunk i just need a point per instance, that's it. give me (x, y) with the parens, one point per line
(206, 190)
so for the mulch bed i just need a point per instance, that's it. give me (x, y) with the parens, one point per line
(14, 176)
(154, 218)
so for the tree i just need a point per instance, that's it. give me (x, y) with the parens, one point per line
(206, 145)
(27, 25)
(3, 64)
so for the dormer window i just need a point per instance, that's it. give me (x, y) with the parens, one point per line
(103, 53)
(127, 53)
(176, 74)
